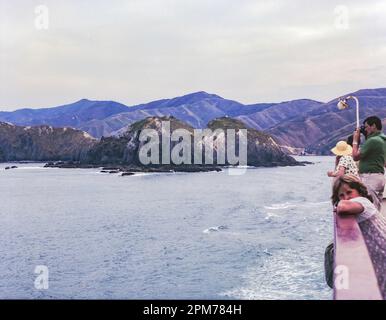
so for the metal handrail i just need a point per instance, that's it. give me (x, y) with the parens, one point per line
(354, 275)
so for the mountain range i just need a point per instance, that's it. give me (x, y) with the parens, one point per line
(298, 126)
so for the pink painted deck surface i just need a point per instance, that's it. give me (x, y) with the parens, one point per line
(351, 253)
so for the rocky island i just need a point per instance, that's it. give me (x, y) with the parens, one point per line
(70, 148)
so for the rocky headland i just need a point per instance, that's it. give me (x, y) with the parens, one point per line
(70, 148)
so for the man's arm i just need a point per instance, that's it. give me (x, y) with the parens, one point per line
(356, 153)
(355, 145)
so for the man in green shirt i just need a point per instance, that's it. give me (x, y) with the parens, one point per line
(371, 155)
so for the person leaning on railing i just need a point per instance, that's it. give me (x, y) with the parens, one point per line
(371, 155)
(350, 196)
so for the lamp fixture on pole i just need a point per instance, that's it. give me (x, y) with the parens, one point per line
(342, 104)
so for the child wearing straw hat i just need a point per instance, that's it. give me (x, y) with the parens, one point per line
(345, 163)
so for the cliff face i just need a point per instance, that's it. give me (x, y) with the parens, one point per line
(124, 149)
(42, 143)
(262, 150)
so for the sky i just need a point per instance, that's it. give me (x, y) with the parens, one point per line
(135, 51)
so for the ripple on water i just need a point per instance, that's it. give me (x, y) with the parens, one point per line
(171, 236)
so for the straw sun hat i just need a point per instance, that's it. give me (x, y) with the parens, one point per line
(342, 149)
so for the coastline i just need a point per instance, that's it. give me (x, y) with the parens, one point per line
(131, 169)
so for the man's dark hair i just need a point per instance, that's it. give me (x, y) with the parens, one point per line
(374, 120)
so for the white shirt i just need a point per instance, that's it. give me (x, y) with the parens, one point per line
(369, 209)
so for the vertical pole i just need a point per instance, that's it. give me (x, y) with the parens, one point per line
(357, 106)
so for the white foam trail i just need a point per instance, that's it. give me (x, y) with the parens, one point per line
(281, 206)
(281, 276)
(270, 215)
(215, 229)
(316, 204)
(286, 205)
(29, 168)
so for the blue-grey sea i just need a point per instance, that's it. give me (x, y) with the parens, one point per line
(259, 235)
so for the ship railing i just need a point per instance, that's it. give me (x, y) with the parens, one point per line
(354, 275)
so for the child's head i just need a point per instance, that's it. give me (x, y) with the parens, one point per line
(347, 187)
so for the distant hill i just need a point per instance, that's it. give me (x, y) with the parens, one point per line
(318, 130)
(277, 113)
(70, 115)
(198, 109)
(105, 118)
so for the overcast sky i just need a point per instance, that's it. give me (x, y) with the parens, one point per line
(137, 51)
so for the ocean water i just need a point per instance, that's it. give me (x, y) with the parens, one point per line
(260, 235)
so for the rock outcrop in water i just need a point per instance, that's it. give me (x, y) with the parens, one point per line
(262, 150)
(124, 149)
(78, 149)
